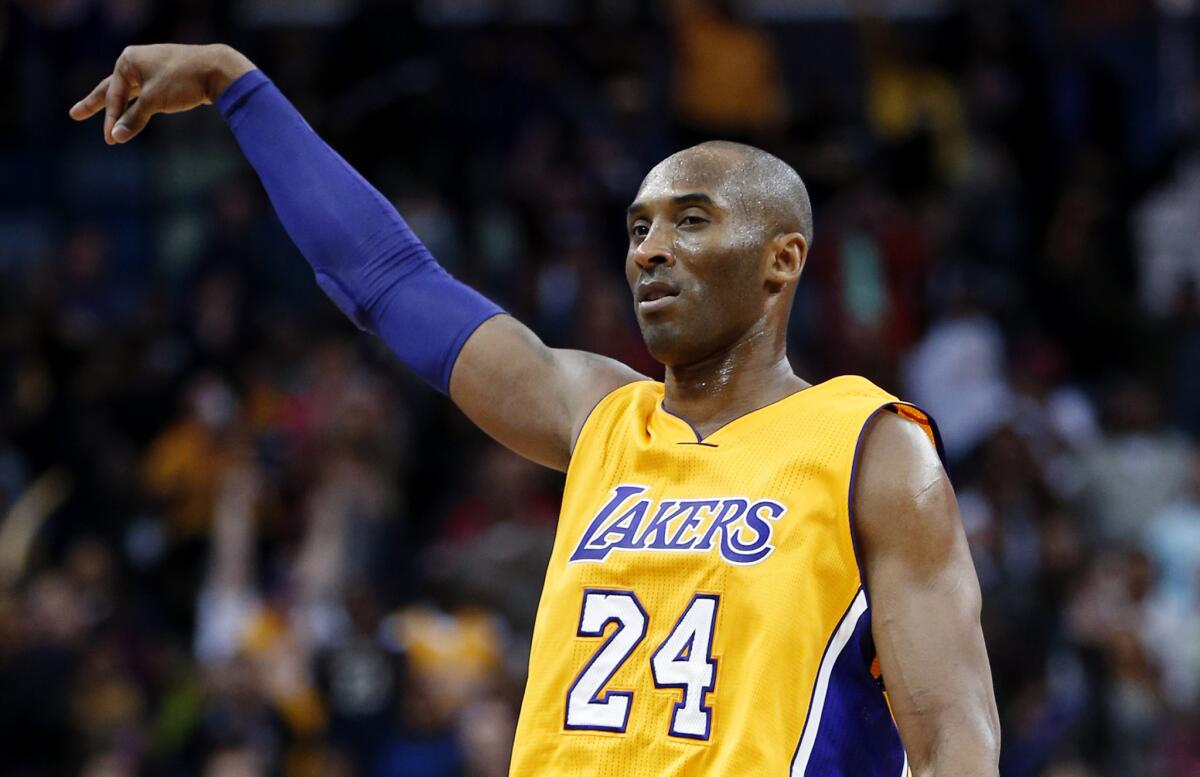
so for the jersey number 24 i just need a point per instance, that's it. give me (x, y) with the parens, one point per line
(683, 660)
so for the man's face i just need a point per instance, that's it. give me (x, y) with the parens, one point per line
(695, 259)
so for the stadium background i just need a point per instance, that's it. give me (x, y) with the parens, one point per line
(239, 539)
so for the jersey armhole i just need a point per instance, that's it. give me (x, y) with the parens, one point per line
(589, 420)
(911, 412)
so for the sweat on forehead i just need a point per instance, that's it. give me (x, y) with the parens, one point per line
(705, 165)
(762, 184)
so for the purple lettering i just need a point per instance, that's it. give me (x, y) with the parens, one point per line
(731, 510)
(585, 553)
(658, 526)
(737, 552)
(689, 522)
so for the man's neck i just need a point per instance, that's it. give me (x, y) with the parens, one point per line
(753, 373)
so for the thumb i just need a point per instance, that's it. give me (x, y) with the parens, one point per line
(133, 120)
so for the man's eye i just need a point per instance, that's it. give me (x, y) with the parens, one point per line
(640, 230)
(689, 221)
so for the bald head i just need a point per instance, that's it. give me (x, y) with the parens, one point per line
(718, 237)
(763, 185)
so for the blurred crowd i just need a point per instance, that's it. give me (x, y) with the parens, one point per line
(237, 538)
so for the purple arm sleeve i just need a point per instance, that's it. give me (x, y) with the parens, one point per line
(365, 257)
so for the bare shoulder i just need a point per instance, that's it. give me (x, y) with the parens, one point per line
(528, 396)
(895, 456)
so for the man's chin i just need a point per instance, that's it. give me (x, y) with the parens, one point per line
(665, 343)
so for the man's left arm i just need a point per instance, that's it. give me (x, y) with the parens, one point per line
(925, 604)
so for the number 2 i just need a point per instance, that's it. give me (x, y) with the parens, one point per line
(586, 709)
(683, 660)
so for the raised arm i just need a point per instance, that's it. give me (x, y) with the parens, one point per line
(532, 398)
(925, 603)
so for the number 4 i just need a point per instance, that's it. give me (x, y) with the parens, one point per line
(684, 660)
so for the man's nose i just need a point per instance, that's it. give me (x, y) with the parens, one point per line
(655, 249)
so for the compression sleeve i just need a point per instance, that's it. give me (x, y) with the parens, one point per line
(365, 257)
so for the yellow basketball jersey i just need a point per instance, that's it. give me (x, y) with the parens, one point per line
(703, 612)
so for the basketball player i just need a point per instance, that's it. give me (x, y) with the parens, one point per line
(752, 575)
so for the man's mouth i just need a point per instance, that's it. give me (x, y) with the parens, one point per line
(655, 295)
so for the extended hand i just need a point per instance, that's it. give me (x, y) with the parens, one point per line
(165, 78)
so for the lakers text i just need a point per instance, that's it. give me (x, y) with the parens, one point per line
(738, 528)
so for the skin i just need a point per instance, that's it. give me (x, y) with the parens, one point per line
(727, 228)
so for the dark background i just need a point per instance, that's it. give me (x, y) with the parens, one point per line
(237, 538)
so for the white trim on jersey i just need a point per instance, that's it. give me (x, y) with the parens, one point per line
(836, 646)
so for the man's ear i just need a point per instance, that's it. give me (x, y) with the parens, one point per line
(789, 252)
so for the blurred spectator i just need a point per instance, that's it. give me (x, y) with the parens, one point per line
(1165, 229)
(915, 110)
(501, 529)
(1172, 541)
(186, 462)
(957, 373)
(727, 73)
(1138, 468)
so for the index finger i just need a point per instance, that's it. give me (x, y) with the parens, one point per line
(90, 105)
